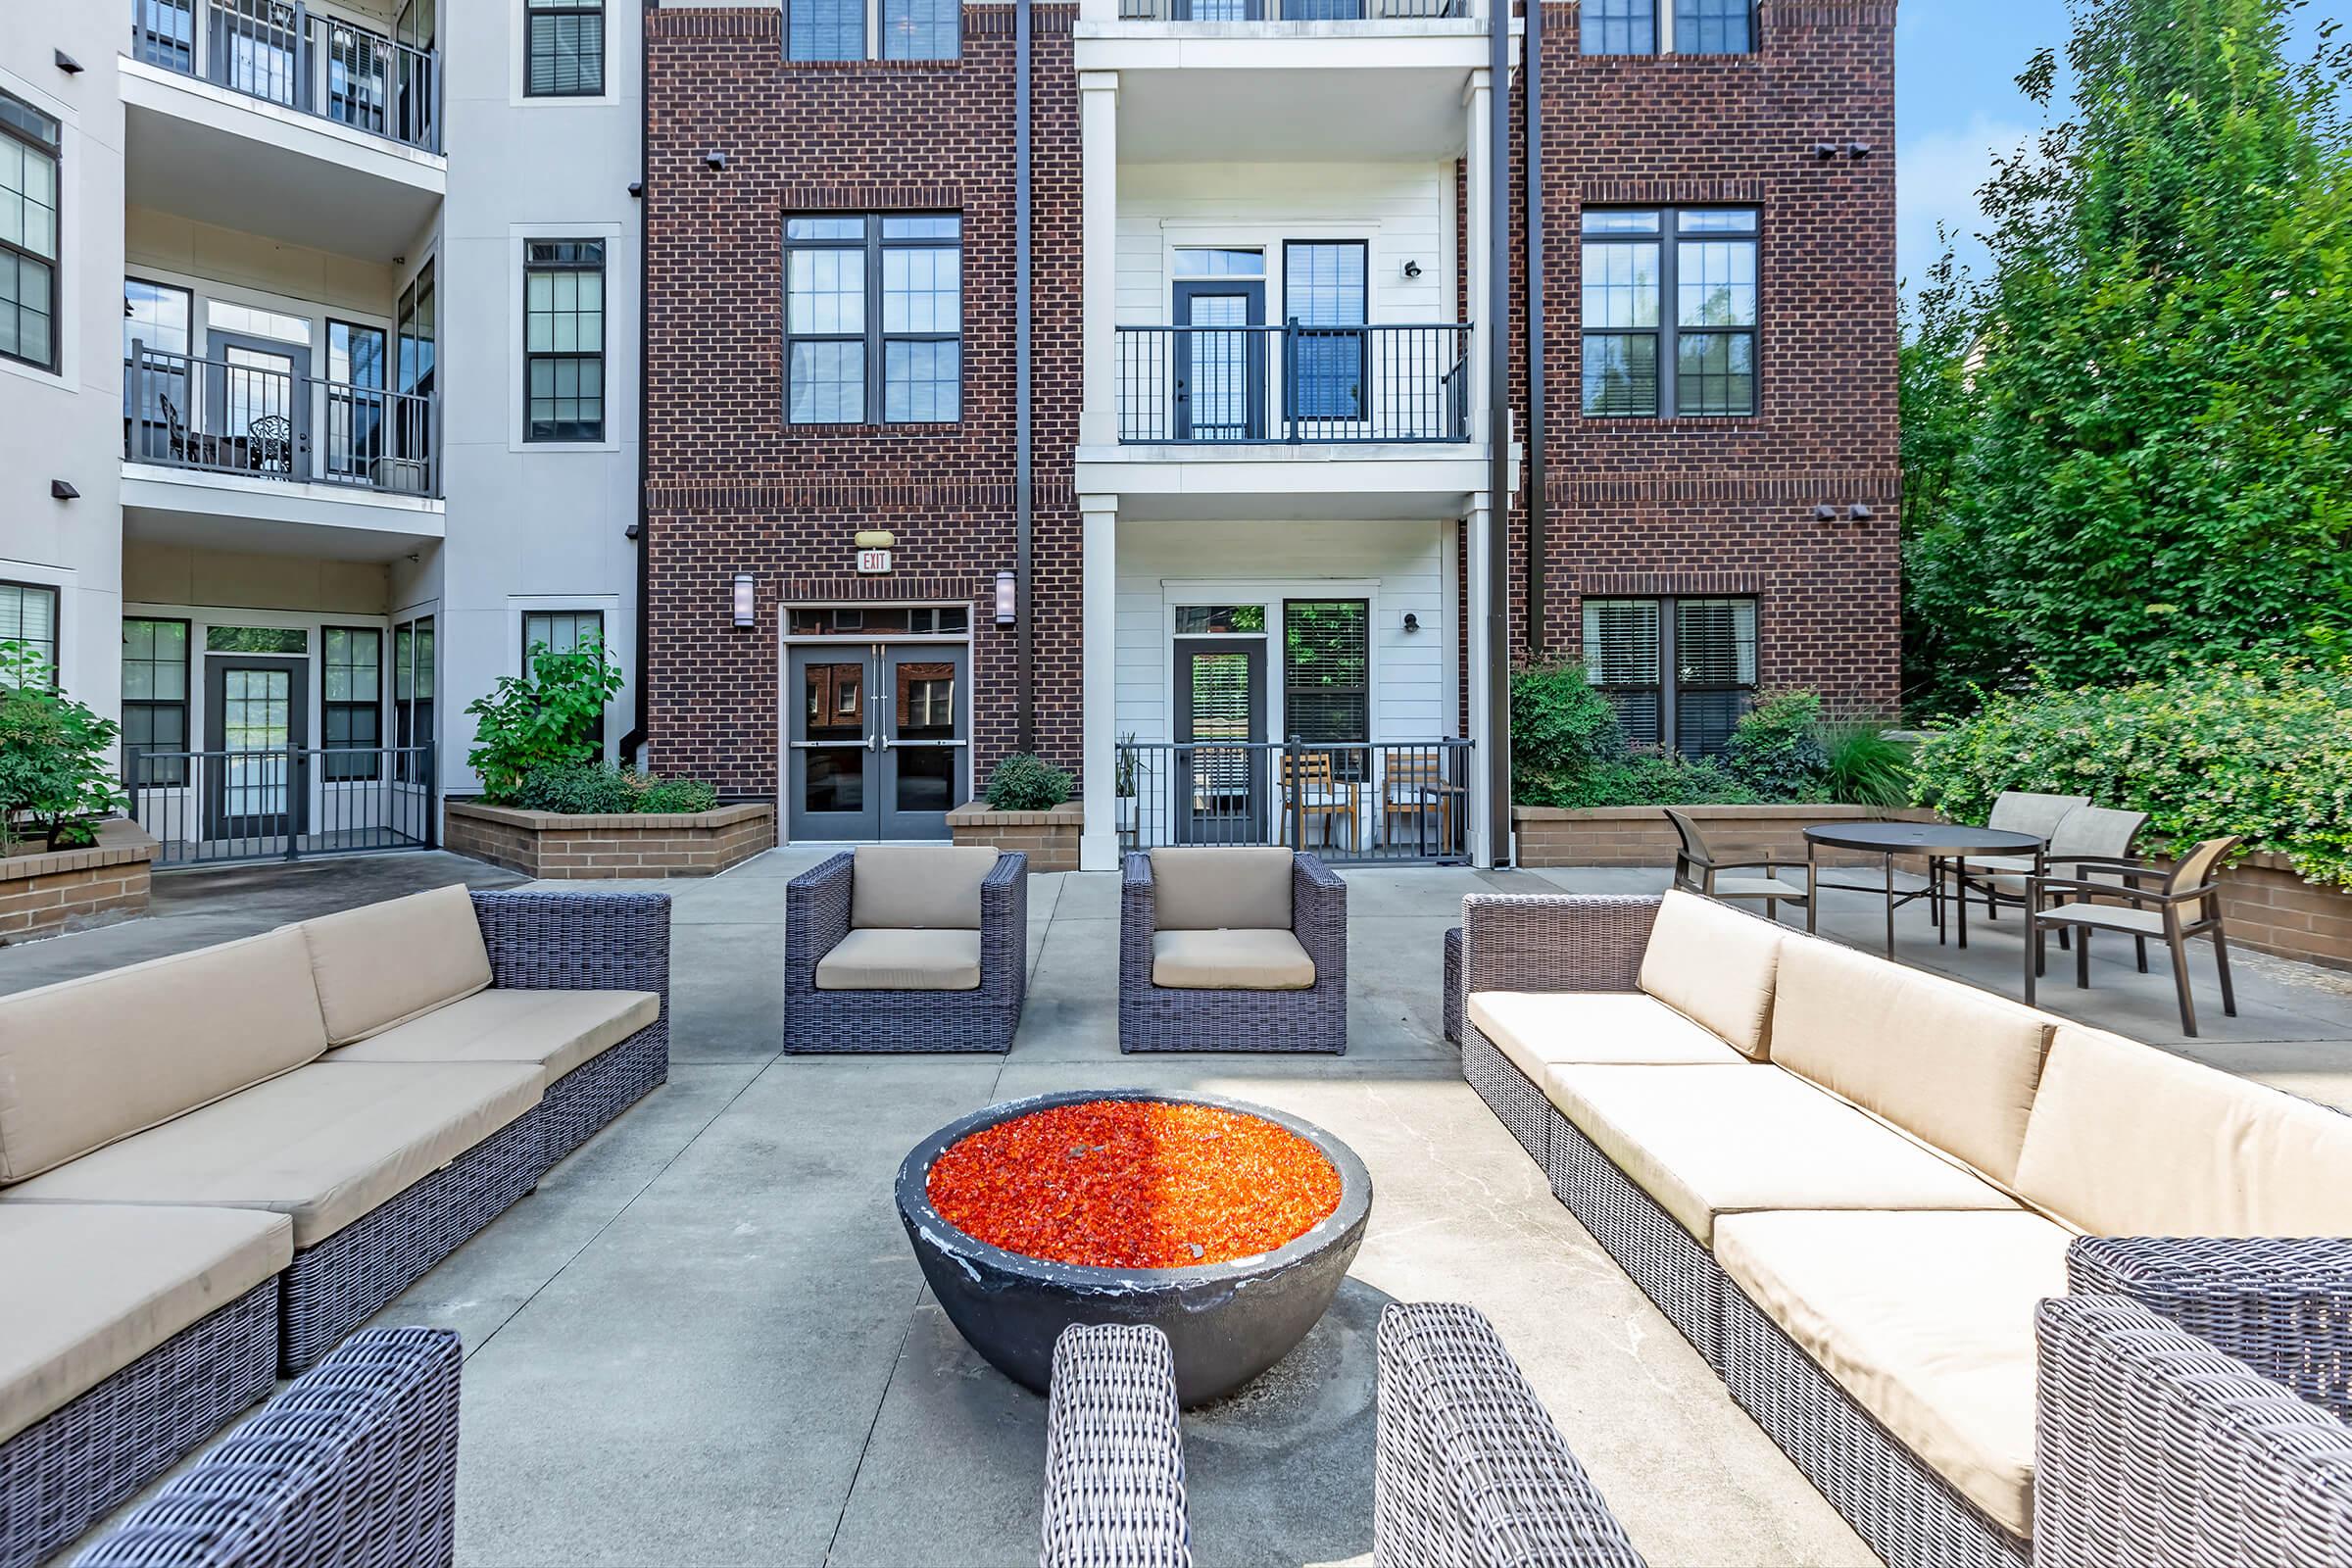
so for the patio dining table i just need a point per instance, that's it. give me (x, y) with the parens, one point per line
(1938, 841)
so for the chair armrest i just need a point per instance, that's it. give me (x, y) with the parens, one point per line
(1004, 916)
(1554, 942)
(356, 1462)
(2138, 897)
(2153, 1447)
(1465, 1453)
(1768, 863)
(1138, 922)
(1319, 919)
(817, 916)
(1114, 1452)
(2283, 1305)
(601, 940)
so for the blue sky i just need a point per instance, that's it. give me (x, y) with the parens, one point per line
(1956, 101)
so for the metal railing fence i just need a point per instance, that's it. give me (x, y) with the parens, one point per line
(1406, 800)
(285, 802)
(287, 55)
(1293, 383)
(226, 416)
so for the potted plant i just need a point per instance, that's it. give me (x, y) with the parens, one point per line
(1123, 784)
(55, 779)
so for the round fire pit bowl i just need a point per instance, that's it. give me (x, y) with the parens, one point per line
(1226, 1322)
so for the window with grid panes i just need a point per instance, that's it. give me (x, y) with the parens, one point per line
(1327, 677)
(1714, 26)
(565, 48)
(564, 340)
(1679, 671)
(413, 697)
(1324, 284)
(30, 147)
(1669, 302)
(824, 30)
(352, 705)
(896, 360)
(29, 617)
(1618, 28)
(563, 631)
(155, 700)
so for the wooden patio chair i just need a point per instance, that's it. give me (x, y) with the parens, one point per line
(1414, 784)
(2187, 904)
(1310, 788)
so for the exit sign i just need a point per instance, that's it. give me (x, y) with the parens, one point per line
(873, 560)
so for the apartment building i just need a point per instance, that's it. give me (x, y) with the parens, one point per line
(1243, 509)
(317, 387)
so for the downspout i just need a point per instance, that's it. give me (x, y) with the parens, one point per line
(1498, 399)
(1530, 215)
(1024, 632)
(638, 728)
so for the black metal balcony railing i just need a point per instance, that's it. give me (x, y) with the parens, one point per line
(1293, 383)
(282, 802)
(286, 54)
(1398, 800)
(262, 420)
(1290, 9)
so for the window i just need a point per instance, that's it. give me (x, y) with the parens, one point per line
(921, 620)
(920, 29)
(28, 617)
(1195, 621)
(1619, 27)
(1679, 668)
(565, 48)
(562, 631)
(255, 640)
(1714, 26)
(846, 364)
(564, 340)
(1692, 27)
(1670, 313)
(1324, 284)
(352, 703)
(155, 338)
(835, 29)
(30, 147)
(413, 698)
(1327, 675)
(155, 700)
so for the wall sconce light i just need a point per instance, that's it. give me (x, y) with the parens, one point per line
(1412, 269)
(715, 160)
(1825, 149)
(1857, 149)
(1412, 623)
(636, 189)
(1825, 512)
(67, 63)
(1007, 598)
(746, 612)
(1860, 512)
(60, 490)
(632, 531)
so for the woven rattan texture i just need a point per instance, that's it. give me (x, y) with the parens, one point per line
(1115, 1456)
(1516, 1101)
(817, 916)
(1166, 1018)
(1679, 1275)
(1569, 942)
(1452, 985)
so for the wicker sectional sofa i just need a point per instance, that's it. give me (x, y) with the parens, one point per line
(1853, 1187)
(214, 1166)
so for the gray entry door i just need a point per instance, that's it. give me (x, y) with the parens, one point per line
(1221, 363)
(257, 716)
(834, 755)
(1221, 718)
(925, 750)
(258, 404)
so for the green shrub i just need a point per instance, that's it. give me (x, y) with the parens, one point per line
(1776, 748)
(1026, 783)
(683, 795)
(54, 770)
(1561, 731)
(1864, 764)
(575, 789)
(2259, 749)
(547, 720)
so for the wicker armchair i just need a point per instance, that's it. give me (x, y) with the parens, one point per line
(1160, 1017)
(355, 1464)
(817, 920)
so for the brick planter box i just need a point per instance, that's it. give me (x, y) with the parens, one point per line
(546, 843)
(2267, 906)
(1049, 838)
(1641, 835)
(72, 890)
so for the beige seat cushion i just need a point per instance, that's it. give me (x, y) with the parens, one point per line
(1946, 1062)
(1927, 1321)
(324, 1145)
(1703, 1141)
(1714, 965)
(1231, 960)
(1238, 887)
(91, 1061)
(1540, 1029)
(2126, 1139)
(85, 1292)
(877, 959)
(559, 1029)
(382, 964)
(918, 887)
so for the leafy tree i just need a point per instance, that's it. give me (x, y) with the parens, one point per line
(548, 720)
(2159, 464)
(54, 768)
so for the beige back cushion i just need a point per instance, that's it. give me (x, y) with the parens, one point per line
(2128, 1140)
(1944, 1061)
(919, 887)
(1241, 888)
(382, 964)
(1714, 965)
(90, 1061)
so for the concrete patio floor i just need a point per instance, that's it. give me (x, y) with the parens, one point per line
(703, 1340)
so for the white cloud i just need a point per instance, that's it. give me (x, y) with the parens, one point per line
(1936, 179)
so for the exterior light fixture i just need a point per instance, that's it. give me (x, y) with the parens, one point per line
(1006, 599)
(1825, 512)
(1825, 149)
(1857, 149)
(715, 160)
(636, 189)
(60, 490)
(67, 63)
(1860, 512)
(1412, 623)
(746, 612)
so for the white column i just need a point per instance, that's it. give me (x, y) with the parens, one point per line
(1480, 218)
(1098, 843)
(1098, 346)
(1475, 565)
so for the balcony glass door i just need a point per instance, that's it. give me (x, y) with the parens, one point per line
(1221, 718)
(259, 406)
(1220, 368)
(256, 720)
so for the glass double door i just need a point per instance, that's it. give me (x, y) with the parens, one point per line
(878, 743)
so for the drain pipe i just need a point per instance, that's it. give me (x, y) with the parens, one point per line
(1499, 400)
(1531, 208)
(642, 654)
(1024, 627)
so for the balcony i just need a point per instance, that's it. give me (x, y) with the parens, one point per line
(286, 56)
(1293, 385)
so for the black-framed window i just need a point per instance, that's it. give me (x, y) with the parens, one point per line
(356, 406)
(1618, 28)
(351, 702)
(824, 30)
(563, 48)
(1679, 672)
(835, 29)
(564, 340)
(873, 319)
(412, 696)
(28, 616)
(1669, 307)
(1326, 285)
(1700, 28)
(921, 30)
(155, 699)
(31, 147)
(1327, 674)
(1714, 26)
(156, 317)
(562, 631)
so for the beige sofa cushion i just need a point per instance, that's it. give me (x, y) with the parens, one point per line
(917, 887)
(1714, 965)
(86, 1291)
(1540, 1029)
(1236, 887)
(88, 1061)
(1231, 960)
(324, 1145)
(1927, 1321)
(2126, 1139)
(1948, 1063)
(1704, 1142)
(559, 1029)
(879, 959)
(382, 964)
